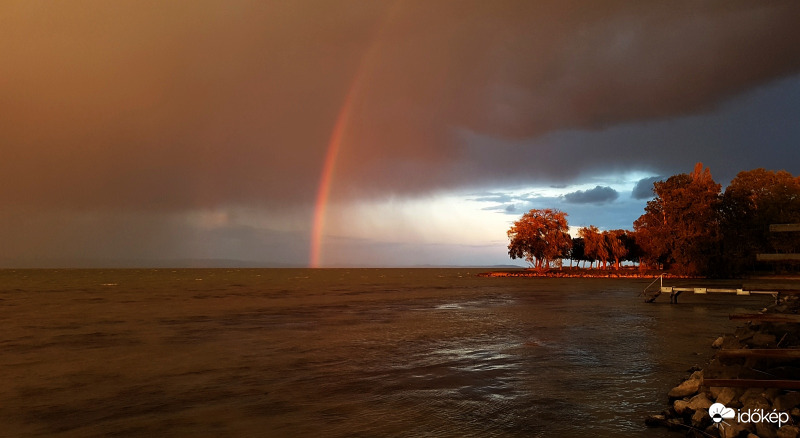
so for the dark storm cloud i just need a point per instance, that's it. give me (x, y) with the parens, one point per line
(108, 108)
(162, 106)
(644, 188)
(597, 195)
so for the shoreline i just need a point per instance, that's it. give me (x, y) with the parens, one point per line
(690, 401)
(584, 273)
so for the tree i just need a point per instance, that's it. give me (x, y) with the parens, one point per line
(577, 252)
(615, 245)
(680, 227)
(753, 201)
(595, 245)
(540, 237)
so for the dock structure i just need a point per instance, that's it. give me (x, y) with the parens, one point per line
(768, 288)
(674, 292)
(759, 359)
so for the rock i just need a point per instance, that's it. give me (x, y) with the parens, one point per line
(701, 419)
(663, 421)
(771, 394)
(750, 393)
(762, 340)
(728, 371)
(726, 395)
(731, 430)
(755, 403)
(730, 342)
(766, 429)
(699, 403)
(697, 375)
(788, 431)
(655, 420)
(680, 406)
(685, 389)
(743, 333)
(786, 402)
(718, 342)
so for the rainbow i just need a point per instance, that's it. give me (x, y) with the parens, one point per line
(324, 189)
(338, 134)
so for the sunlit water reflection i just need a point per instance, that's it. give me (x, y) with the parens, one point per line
(331, 353)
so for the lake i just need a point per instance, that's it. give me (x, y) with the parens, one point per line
(342, 352)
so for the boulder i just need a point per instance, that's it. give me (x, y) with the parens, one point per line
(718, 342)
(699, 403)
(685, 389)
(762, 340)
(786, 402)
(730, 342)
(766, 429)
(680, 406)
(731, 430)
(726, 395)
(701, 419)
(755, 403)
(663, 421)
(750, 393)
(743, 333)
(771, 394)
(789, 431)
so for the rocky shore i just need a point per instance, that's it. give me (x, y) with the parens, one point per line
(772, 412)
(580, 273)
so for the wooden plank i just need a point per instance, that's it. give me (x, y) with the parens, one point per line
(767, 317)
(774, 353)
(779, 228)
(752, 383)
(777, 257)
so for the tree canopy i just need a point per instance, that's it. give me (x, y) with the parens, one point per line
(680, 225)
(540, 237)
(689, 227)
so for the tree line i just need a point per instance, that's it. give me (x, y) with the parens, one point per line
(690, 227)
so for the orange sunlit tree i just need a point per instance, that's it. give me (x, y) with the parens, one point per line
(540, 237)
(680, 227)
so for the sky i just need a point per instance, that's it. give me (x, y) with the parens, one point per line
(369, 133)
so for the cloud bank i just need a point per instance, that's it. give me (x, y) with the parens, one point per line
(597, 195)
(159, 108)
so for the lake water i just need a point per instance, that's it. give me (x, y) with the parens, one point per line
(342, 352)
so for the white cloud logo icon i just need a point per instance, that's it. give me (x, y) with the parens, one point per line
(718, 412)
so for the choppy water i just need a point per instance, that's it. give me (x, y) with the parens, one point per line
(342, 352)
